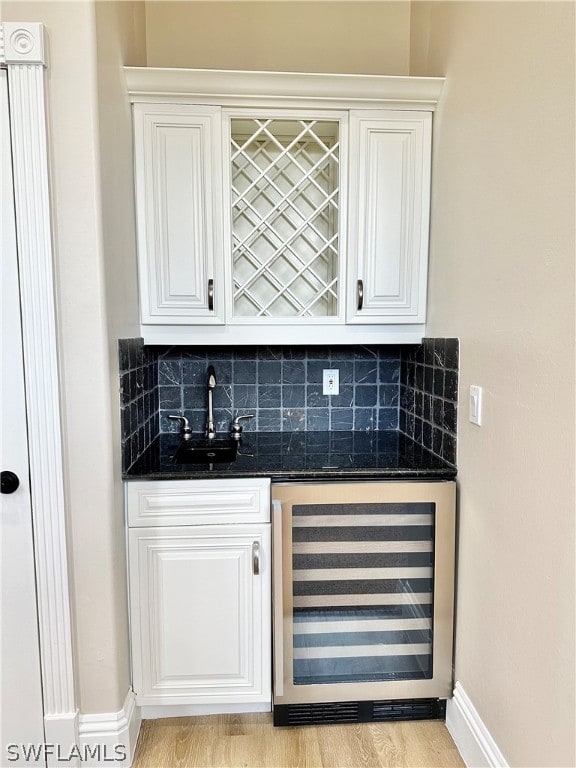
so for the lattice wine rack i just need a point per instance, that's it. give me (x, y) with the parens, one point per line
(285, 196)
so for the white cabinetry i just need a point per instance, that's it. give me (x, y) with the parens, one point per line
(388, 216)
(179, 213)
(272, 207)
(200, 576)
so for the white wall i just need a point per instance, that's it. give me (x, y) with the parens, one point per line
(120, 38)
(297, 36)
(502, 279)
(92, 210)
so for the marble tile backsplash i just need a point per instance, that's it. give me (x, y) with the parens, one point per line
(429, 395)
(411, 388)
(138, 398)
(282, 387)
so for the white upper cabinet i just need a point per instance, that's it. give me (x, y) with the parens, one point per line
(279, 208)
(389, 165)
(178, 153)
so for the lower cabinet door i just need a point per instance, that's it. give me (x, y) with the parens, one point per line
(200, 614)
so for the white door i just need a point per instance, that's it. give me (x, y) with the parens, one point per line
(21, 715)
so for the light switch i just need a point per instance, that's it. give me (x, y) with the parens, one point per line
(475, 410)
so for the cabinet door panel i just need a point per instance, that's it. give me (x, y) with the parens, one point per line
(389, 211)
(202, 636)
(178, 188)
(197, 611)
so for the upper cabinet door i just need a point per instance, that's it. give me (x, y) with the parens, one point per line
(388, 216)
(178, 159)
(286, 184)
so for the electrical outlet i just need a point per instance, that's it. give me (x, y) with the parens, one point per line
(331, 381)
(475, 406)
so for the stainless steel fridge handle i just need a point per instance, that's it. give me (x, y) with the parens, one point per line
(278, 598)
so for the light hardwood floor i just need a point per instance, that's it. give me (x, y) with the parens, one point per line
(251, 741)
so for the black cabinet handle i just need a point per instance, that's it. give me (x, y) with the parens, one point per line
(9, 482)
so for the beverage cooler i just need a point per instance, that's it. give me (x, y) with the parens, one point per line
(363, 600)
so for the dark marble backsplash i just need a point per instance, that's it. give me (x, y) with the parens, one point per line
(138, 398)
(282, 387)
(429, 395)
(411, 388)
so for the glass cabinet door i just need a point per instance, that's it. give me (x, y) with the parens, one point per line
(285, 197)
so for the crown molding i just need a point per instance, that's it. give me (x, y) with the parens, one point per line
(22, 43)
(236, 88)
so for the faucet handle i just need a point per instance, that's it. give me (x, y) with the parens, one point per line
(186, 430)
(236, 427)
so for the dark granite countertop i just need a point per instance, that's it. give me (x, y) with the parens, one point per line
(302, 456)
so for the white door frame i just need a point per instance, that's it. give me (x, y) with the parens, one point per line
(22, 52)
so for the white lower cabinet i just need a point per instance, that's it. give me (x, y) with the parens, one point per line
(200, 597)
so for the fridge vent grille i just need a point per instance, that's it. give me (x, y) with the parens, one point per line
(339, 712)
(425, 709)
(359, 712)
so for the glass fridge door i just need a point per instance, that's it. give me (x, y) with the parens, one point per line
(362, 590)
(362, 568)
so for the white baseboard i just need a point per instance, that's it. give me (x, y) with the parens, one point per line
(475, 744)
(107, 740)
(154, 712)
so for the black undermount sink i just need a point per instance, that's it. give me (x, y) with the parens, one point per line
(204, 451)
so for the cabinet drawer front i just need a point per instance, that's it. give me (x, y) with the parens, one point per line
(198, 502)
